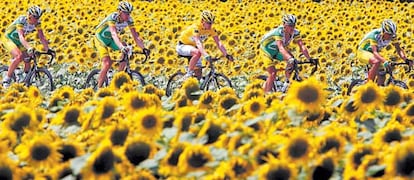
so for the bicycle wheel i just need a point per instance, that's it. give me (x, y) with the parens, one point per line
(136, 76)
(41, 78)
(175, 82)
(3, 74)
(355, 83)
(217, 82)
(399, 84)
(92, 80)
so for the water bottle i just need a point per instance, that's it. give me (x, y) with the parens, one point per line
(110, 74)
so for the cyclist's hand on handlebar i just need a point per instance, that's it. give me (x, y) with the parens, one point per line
(409, 62)
(31, 52)
(51, 51)
(207, 58)
(292, 61)
(230, 57)
(127, 50)
(146, 51)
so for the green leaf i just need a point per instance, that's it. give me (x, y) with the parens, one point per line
(169, 132)
(374, 169)
(219, 154)
(263, 117)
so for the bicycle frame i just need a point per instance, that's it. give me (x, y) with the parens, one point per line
(210, 74)
(391, 78)
(34, 58)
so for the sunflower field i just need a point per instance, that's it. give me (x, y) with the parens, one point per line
(126, 131)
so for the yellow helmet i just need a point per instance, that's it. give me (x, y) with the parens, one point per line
(207, 16)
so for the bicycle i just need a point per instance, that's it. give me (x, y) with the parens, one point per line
(389, 81)
(280, 86)
(37, 76)
(211, 81)
(92, 78)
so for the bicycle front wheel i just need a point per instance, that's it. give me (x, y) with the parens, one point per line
(92, 80)
(174, 83)
(42, 79)
(355, 83)
(136, 76)
(217, 82)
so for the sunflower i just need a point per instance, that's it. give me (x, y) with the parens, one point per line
(368, 96)
(408, 113)
(213, 130)
(399, 164)
(184, 118)
(194, 158)
(262, 153)
(253, 93)
(139, 149)
(118, 134)
(240, 168)
(226, 91)
(226, 102)
(277, 169)
(34, 95)
(19, 119)
(39, 151)
(70, 150)
(66, 92)
(106, 108)
(100, 164)
(207, 100)
(169, 163)
(331, 141)
(191, 89)
(306, 95)
(324, 168)
(120, 78)
(392, 132)
(393, 97)
(298, 148)
(8, 169)
(70, 115)
(103, 92)
(62, 171)
(134, 101)
(254, 106)
(148, 122)
(142, 174)
(349, 109)
(355, 157)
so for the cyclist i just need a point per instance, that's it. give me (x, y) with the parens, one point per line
(191, 40)
(371, 45)
(106, 37)
(274, 45)
(15, 41)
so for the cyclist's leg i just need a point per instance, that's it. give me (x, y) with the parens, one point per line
(188, 50)
(17, 57)
(289, 66)
(269, 63)
(103, 52)
(368, 57)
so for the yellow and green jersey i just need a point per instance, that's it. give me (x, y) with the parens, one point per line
(103, 33)
(20, 23)
(373, 38)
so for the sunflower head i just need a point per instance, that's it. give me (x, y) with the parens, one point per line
(255, 106)
(368, 96)
(20, 119)
(207, 99)
(194, 158)
(139, 149)
(120, 79)
(306, 95)
(227, 101)
(103, 92)
(276, 169)
(401, 160)
(148, 122)
(134, 101)
(191, 89)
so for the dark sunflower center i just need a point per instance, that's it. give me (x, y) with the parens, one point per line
(350, 107)
(186, 122)
(149, 122)
(280, 173)
(71, 117)
(199, 118)
(228, 103)
(137, 103)
(104, 94)
(108, 110)
(405, 166)
(213, 133)
(21, 122)
(410, 110)
(239, 169)
(68, 152)
(189, 91)
(40, 152)
(119, 136)
(369, 96)
(120, 81)
(264, 154)
(313, 116)
(308, 94)
(173, 159)
(255, 107)
(6, 173)
(197, 160)
(357, 157)
(393, 98)
(66, 95)
(329, 144)
(65, 172)
(137, 152)
(298, 148)
(104, 162)
(207, 100)
(393, 135)
(324, 171)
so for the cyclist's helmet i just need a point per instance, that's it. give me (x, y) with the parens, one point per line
(289, 19)
(389, 27)
(35, 11)
(125, 7)
(207, 16)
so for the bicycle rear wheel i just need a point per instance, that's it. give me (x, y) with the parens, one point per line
(92, 80)
(41, 78)
(217, 82)
(355, 83)
(136, 76)
(174, 83)
(3, 74)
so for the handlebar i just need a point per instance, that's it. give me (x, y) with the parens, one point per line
(132, 54)
(393, 64)
(312, 61)
(37, 54)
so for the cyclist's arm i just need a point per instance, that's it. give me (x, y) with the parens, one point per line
(115, 37)
(303, 49)
(220, 45)
(136, 37)
(199, 45)
(283, 50)
(22, 38)
(400, 51)
(43, 39)
(376, 53)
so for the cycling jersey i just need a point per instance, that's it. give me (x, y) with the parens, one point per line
(187, 36)
(103, 33)
(268, 42)
(20, 23)
(373, 38)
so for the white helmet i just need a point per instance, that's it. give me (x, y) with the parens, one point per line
(289, 19)
(125, 7)
(35, 11)
(389, 27)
